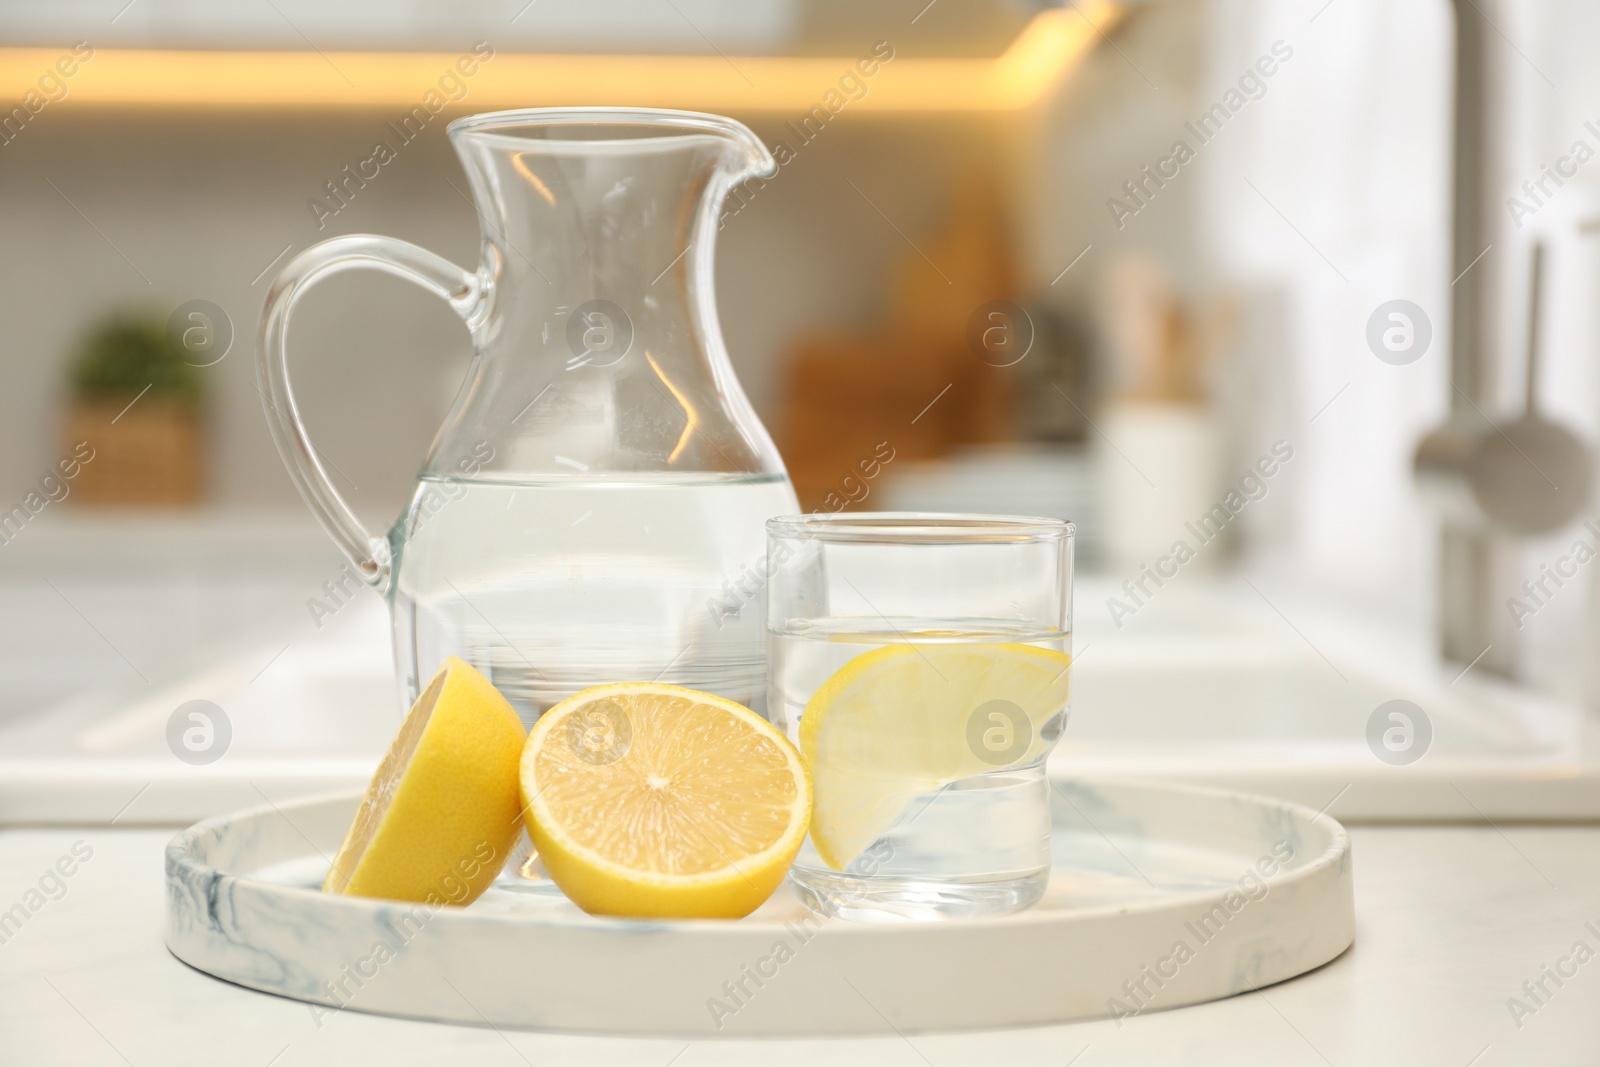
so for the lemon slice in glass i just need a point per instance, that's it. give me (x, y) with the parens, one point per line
(907, 719)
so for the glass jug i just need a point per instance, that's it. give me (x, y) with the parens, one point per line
(593, 508)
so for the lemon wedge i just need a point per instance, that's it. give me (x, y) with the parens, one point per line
(442, 812)
(907, 719)
(653, 800)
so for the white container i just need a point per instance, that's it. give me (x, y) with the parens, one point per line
(1159, 477)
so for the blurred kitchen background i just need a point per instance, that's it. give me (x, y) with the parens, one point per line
(988, 258)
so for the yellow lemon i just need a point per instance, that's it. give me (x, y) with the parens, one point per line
(907, 719)
(653, 800)
(442, 812)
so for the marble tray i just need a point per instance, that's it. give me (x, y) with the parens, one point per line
(1161, 896)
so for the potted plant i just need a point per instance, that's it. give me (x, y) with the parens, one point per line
(139, 404)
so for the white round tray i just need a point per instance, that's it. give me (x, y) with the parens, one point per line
(1161, 896)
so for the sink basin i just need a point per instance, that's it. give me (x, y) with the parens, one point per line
(305, 716)
(1215, 684)
(1209, 683)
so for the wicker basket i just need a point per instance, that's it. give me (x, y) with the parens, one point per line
(147, 455)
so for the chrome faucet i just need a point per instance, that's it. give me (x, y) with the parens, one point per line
(1492, 478)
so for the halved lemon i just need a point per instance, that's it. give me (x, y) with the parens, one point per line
(654, 800)
(906, 719)
(442, 812)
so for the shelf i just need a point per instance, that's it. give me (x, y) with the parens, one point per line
(1051, 45)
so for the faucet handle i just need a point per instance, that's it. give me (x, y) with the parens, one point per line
(1522, 476)
(1535, 302)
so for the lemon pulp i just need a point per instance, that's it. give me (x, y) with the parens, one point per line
(647, 799)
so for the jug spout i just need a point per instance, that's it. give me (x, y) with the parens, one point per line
(599, 348)
(625, 130)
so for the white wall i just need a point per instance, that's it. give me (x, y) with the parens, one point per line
(195, 206)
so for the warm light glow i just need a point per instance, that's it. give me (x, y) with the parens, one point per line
(533, 179)
(1049, 47)
(688, 410)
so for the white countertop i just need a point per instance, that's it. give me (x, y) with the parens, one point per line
(1450, 922)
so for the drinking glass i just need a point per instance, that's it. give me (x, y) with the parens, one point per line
(931, 653)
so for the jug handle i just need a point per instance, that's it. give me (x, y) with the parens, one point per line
(465, 292)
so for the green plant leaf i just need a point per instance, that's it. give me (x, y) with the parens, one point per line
(127, 351)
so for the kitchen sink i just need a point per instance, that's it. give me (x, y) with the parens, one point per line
(1217, 684)
(307, 715)
(1209, 683)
